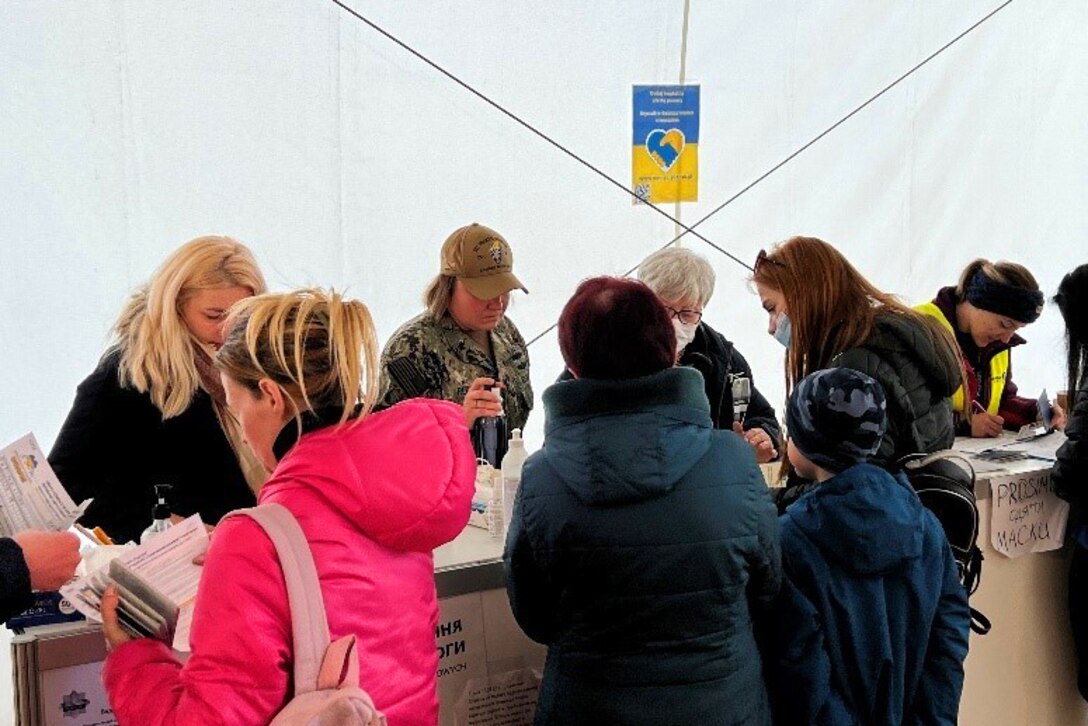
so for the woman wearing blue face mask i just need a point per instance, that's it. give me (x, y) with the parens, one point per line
(829, 316)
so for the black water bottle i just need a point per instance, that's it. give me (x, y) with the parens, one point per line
(489, 438)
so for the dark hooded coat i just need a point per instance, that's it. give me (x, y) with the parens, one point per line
(877, 619)
(642, 542)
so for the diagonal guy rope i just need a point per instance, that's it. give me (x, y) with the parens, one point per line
(751, 185)
(535, 130)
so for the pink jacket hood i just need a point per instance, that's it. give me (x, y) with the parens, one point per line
(361, 471)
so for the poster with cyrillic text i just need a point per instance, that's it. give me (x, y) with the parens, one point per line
(1027, 516)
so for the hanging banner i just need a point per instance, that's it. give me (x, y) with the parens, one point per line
(665, 148)
(1027, 516)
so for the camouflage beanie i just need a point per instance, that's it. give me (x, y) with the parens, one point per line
(836, 418)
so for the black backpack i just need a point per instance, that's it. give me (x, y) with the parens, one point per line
(947, 488)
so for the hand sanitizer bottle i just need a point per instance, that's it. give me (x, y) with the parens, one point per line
(511, 474)
(160, 515)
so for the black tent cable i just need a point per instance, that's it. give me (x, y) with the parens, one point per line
(838, 123)
(538, 132)
(686, 229)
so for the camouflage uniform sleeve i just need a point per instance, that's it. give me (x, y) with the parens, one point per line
(409, 368)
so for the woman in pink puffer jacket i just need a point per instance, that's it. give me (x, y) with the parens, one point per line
(374, 495)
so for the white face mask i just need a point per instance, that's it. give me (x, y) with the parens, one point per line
(684, 335)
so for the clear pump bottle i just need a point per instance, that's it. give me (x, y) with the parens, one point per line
(512, 464)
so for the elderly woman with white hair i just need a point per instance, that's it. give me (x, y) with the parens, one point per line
(684, 282)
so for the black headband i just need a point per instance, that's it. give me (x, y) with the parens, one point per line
(1018, 303)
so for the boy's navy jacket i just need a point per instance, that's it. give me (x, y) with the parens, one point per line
(872, 623)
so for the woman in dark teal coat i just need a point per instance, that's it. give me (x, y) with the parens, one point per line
(643, 540)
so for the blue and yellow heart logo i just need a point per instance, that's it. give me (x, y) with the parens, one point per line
(665, 147)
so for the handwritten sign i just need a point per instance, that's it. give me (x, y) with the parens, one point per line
(1027, 516)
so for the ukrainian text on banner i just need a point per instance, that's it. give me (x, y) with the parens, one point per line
(665, 147)
(1027, 516)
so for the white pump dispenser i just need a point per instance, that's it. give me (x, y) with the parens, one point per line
(511, 474)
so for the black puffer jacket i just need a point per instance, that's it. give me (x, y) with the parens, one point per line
(716, 358)
(918, 386)
(917, 382)
(15, 594)
(1070, 475)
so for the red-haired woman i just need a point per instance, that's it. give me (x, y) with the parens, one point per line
(642, 537)
(829, 316)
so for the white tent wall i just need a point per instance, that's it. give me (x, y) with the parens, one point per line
(127, 128)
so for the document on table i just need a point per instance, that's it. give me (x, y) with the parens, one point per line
(1041, 447)
(31, 496)
(996, 453)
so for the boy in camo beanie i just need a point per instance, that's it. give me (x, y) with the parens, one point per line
(836, 418)
(871, 618)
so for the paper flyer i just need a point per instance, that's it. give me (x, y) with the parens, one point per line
(31, 496)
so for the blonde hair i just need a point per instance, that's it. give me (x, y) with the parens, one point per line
(157, 348)
(438, 294)
(320, 349)
(678, 275)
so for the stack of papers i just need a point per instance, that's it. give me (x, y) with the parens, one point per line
(156, 582)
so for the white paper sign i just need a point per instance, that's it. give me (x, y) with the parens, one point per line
(462, 656)
(1027, 516)
(488, 670)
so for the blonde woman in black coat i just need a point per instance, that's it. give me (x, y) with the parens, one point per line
(153, 411)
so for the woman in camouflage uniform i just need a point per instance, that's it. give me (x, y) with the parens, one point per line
(463, 344)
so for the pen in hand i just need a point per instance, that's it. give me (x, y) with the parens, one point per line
(986, 425)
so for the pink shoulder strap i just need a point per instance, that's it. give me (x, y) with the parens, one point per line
(309, 624)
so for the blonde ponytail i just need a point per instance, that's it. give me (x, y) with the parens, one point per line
(320, 349)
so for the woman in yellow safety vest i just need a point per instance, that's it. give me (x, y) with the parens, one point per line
(991, 302)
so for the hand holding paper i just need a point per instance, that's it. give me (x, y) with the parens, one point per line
(1058, 416)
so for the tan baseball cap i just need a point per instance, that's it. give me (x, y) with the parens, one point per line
(479, 257)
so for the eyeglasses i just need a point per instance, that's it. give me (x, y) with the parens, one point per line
(687, 317)
(763, 257)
